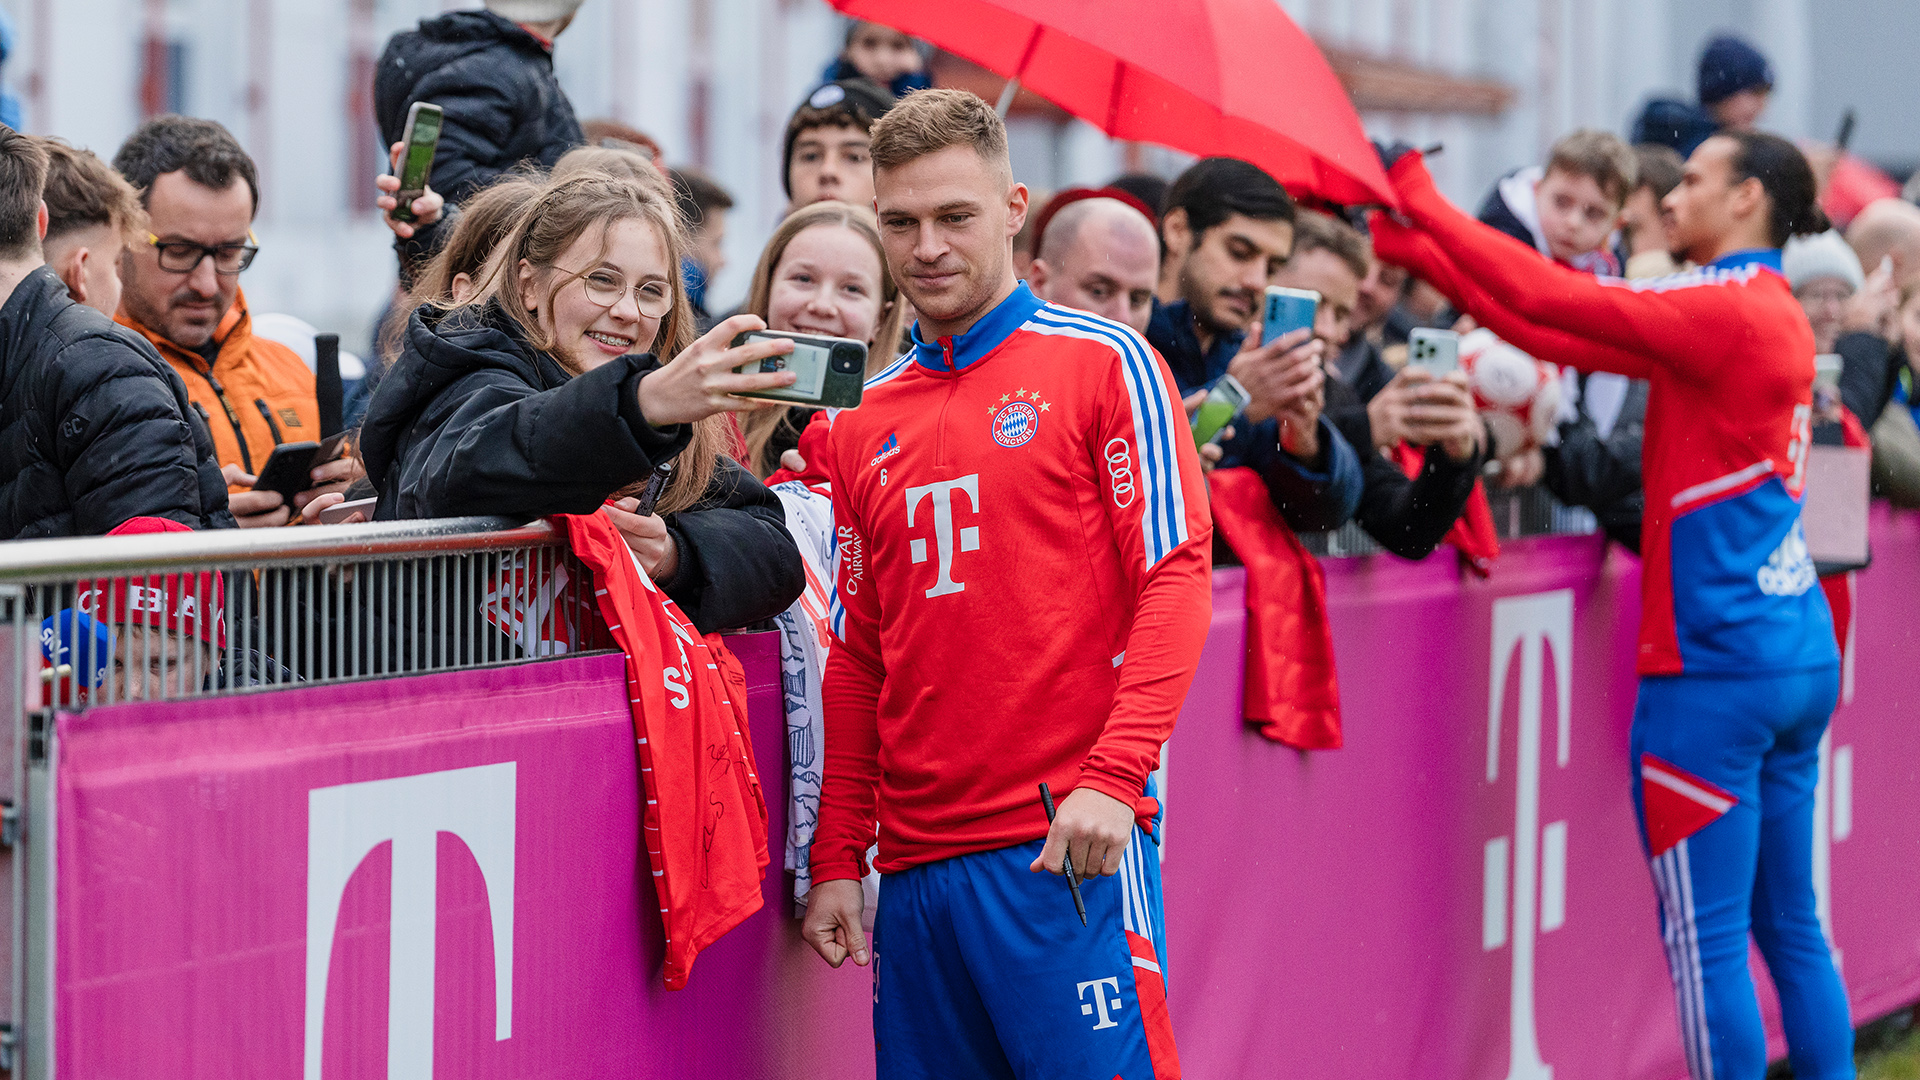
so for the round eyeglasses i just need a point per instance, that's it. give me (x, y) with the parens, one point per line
(606, 287)
(183, 256)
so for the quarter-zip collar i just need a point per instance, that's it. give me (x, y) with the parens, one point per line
(949, 355)
(1740, 260)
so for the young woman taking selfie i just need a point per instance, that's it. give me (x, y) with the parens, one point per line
(570, 374)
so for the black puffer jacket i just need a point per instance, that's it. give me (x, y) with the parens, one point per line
(494, 80)
(472, 420)
(94, 426)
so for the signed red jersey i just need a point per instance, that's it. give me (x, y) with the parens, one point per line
(1022, 590)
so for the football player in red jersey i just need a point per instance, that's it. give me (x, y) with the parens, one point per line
(1739, 671)
(1022, 591)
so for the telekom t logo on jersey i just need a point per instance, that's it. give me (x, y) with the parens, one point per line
(943, 534)
(344, 825)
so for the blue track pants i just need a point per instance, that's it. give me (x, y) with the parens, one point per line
(1724, 795)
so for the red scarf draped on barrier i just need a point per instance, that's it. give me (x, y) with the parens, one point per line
(1292, 691)
(705, 819)
(1474, 534)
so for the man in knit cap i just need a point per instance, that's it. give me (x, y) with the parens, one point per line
(492, 71)
(1734, 84)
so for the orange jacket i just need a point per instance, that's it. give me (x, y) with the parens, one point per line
(258, 394)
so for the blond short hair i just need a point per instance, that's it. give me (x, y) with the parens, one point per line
(1600, 155)
(928, 121)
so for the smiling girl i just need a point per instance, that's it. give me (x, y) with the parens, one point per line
(569, 375)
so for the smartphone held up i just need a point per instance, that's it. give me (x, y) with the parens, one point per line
(828, 371)
(421, 139)
(1224, 401)
(1287, 310)
(1436, 352)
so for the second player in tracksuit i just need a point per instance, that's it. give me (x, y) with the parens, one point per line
(1739, 668)
(1023, 589)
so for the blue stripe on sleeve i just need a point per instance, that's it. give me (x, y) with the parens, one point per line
(1165, 523)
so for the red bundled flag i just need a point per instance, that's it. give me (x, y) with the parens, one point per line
(705, 819)
(1292, 691)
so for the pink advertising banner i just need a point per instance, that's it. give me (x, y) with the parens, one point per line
(1460, 892)
(441, 876)
(436, 876)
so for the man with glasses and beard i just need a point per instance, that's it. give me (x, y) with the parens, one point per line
(182, 292)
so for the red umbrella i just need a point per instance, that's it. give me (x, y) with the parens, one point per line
(1232, 77)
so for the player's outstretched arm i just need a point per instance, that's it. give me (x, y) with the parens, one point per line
(1664, 326)
(1420, 255)
(1092, 827)
(832, 925)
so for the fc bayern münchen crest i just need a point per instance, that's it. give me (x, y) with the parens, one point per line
(1017, 417)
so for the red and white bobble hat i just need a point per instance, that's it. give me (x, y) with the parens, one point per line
(193, 605)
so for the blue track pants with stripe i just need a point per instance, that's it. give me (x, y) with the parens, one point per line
(982, 970)
(1725, 797)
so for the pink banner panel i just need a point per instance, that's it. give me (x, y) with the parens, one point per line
(442, 876)
(408, 878)
(1460, 891)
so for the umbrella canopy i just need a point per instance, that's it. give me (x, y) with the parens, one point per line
(1226, 77)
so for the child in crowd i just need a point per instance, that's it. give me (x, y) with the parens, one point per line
(825, 153)
(881, 54)
(1567, 208)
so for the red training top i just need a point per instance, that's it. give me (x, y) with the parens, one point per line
(1022, 591)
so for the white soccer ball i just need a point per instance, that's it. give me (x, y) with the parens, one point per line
(1518, 396)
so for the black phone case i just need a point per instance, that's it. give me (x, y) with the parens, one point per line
(289, 470)
(840, 389)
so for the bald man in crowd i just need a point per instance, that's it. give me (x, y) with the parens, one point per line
(1099, 255)
(1888, 227)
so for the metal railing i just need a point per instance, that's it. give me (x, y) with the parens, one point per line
(170, 615)
(1528, 511)
(106, 620)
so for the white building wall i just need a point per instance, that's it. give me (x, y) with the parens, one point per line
(713, 81)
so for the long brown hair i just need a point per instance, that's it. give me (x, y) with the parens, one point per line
(557, 216)
(758, 427)
(484, 220)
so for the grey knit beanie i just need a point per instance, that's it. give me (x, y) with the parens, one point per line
(533, 11)
(1822, 255)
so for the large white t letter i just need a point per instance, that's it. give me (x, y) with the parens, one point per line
(942, 493)
(344, 825)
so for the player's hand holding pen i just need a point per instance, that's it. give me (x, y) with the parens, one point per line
(1093, 829)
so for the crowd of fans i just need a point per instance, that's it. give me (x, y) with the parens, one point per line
(552, 345)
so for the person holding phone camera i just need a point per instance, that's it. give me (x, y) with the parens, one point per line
(568, 377)
(824, 272)
(1228, 228)
(1408, 516)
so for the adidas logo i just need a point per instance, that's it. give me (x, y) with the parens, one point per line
(887, 450)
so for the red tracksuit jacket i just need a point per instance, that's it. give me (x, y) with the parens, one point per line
(1023, 585)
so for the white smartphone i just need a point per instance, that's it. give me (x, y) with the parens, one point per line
(1437, 351)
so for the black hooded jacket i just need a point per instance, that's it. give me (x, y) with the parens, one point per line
(94, 427)
(495, 82)
(473, 420)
